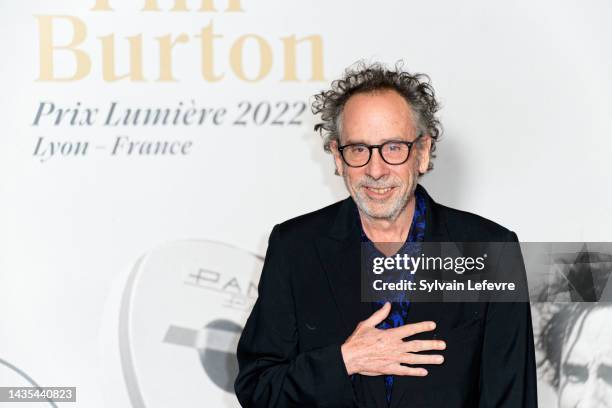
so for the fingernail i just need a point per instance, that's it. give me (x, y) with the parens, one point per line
(440, 359)
(443, 344)
(423, 371)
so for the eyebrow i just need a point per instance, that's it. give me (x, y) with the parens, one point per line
(387, 139)
(573, 365)
(573, 369)
(605, 371)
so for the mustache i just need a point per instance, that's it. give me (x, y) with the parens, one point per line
(377, 183)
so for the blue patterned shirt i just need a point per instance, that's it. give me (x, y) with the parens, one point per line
(398, 316)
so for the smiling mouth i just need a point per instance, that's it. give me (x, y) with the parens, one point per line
(379, 192)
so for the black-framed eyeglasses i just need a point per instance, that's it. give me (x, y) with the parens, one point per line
(393, 152)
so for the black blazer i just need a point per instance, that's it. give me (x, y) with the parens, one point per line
(309, 303)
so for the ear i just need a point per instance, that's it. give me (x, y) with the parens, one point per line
(337, 157)
(424, 152)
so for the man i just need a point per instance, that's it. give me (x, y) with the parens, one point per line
(578, 346)
(311, 342)
(576, 337)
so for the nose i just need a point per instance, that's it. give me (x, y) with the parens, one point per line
(376, 167)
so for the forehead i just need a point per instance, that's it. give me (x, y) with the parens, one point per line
(590, 338)
(373, 116)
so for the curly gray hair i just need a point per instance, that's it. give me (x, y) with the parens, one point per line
(364, 77)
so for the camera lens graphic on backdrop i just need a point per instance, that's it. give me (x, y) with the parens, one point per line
(182, 311)
(13, 376)
(216, 344)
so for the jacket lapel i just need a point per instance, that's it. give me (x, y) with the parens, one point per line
(340, 255)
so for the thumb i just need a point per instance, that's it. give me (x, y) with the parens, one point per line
(378, 316)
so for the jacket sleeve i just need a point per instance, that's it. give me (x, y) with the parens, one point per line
(272, 370)
(508, 371)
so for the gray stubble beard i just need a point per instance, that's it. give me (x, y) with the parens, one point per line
(392, 213)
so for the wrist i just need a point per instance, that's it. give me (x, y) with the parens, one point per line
(346, 358)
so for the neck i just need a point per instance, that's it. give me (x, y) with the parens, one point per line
(387, 230)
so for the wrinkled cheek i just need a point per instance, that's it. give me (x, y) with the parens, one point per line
(352, 183)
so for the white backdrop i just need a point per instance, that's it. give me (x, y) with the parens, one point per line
(129, 276)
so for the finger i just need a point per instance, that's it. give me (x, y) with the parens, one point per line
(410, 358)
(408, 371)
(378, 316)
(411, 329)
(414, 346)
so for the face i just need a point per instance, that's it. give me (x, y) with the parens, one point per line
(381, 190)
(586, 365)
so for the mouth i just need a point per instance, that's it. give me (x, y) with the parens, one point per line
(379, 193)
